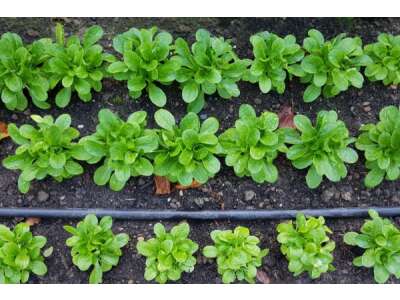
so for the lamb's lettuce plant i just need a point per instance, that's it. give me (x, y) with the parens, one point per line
(252, 145)
(381, 145)
(381, 240)
(169, 254)
(48, 150)
(20, 254)
(237, 254)
(385, 54)
(273, 55)
(94, 244)
(209, 66)
(77, 65)
(330, 67)
(145, 62)
(187, 150)
(21, 72)
(306, 245)
(324, 149)
(124, 146)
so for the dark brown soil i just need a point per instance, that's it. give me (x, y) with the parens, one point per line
(226, 190)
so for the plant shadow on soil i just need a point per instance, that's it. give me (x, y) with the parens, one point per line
(355, 107)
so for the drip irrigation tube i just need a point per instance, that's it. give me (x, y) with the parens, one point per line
(75, 213)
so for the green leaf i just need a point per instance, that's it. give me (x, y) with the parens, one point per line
(96, 276)
(92, 35)
(374, 178)
(164, 119)
(265, 84)
(63, 97)
(39, 268)
(13, 83)
(313, 179)
(157, 96)
(381, 275)
(102, 175)
(190, 92)
(210, 251)
(311, 93)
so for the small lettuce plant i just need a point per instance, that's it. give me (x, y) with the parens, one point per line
(323, 148)
(380, 239)
(306, 245)
(253, 144)
(20, 254)
(122, 146)
(46, 150)
(381, 145)
(187, 150)
(330, 67)
(168, 254)
(21, 72)
(94, 244)
(237, 254)
(77, 65)
(273, 55)
(145, 63)
(209, 66)
(385, 55)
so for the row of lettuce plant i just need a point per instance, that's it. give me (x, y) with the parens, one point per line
(148, 59)
(188, 150)
(304, 243)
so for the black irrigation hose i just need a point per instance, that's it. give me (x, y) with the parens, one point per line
(238, 215)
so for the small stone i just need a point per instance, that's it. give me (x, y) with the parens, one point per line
(366, 103)
(199, 202)
(80, 126)
(257, 101)
(203, 116)
(14, 117)
(346, 196)
(328, 194)
(130, 281)
(367, 108)
(249, 195)
(141, 181)
(181, 193)
(42, 196)
(32, 33)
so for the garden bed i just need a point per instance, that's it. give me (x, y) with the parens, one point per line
(225, 191)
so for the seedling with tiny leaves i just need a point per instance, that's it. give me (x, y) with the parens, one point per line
(306, 245)
(385, 55)
(209, 66)
(94, 244)
(237, 253)
(145, 63)
(273, 56)
(322, 149)
(20, 254)
(381, 143)
(381, 240)
(79, 66)
(253, 144)
(21, 72)
(124, 146)
(187, 150)
(48, 150)
(169, 254)
(330, 67)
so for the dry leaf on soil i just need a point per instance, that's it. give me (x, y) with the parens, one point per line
(286, 116)
(194, 185)
(263, 277)
(3, 130)
(32, 221)
(163, 186)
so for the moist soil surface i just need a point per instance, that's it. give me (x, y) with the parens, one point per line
(225, 191)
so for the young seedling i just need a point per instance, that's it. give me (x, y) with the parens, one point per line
(381, 143)
(273, 56)
(330, 67)
(124, 146)
(322, 149)
(21, 72)
(145, 62)
(79, 66)
(169, 254)
(385, 55)
(381, 241)
(306, 245)
(209, 66)
(187, 150)
(237, 253)
(94, 244)
(47, 150)
(253, 144)
(20, 254)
